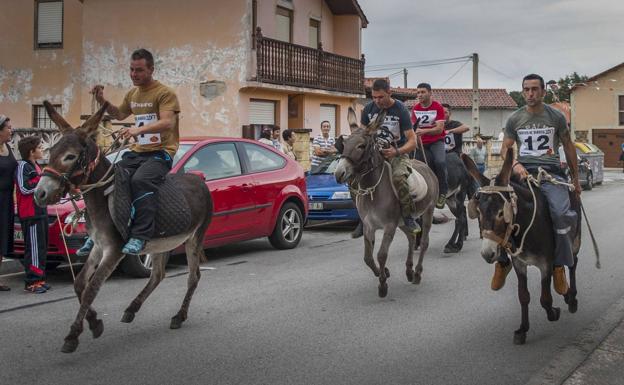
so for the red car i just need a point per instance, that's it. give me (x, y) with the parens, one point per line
(256, 190)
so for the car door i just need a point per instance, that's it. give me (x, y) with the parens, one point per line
(266, 168)
(231, 191)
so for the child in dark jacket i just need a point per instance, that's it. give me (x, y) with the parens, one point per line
(34, 219)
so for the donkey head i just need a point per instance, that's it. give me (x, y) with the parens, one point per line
(493, 206)
(358, 150)
(70, 158)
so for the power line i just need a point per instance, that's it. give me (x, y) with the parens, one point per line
(496, 71)
(456, 72)
(412, 64)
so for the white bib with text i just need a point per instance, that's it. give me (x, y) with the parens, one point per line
(536, 141)
(144, 120)
(449, 141)
(426, 119)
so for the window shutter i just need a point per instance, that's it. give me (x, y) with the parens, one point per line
(50, 23)
(328, 112)
(261, 112)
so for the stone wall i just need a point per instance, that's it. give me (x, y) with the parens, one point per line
(302, 146)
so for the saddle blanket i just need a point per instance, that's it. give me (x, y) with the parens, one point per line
(417, 185)
(172, 217)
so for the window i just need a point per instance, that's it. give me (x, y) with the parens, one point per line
(315, 33)
(283, 24)
(261, 159)
(41, 118)
(621, 109)
(49, 24)
(215, 161)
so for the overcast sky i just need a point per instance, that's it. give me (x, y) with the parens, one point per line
(514, 37)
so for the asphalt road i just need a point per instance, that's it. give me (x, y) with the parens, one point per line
(312, 316)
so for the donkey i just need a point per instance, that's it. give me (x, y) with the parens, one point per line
(461, 185)
(75, 161)
(363, 165)
(514, 217)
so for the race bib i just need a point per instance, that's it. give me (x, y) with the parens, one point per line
(426, 119)
(391, 123)
(449, 141)
(143, 120)
(536, 141)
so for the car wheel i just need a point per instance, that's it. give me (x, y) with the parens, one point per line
(138, 266)
(590, 182)
(288, 228)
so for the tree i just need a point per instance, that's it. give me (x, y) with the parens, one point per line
(563, 89)
(518, 98)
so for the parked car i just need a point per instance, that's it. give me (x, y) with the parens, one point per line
(256, 191)
(328, 200)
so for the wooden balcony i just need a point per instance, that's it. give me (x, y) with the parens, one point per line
(295, 65)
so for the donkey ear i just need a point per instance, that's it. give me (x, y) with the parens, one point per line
(60, 122)
(502, 179)
(352, 119)
(374, 125)
(91, 125)
(474, 171)
(339, 144)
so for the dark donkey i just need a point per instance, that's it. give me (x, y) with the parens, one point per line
(461, 185)
(363, 166)
(514, 217)
(76, 161)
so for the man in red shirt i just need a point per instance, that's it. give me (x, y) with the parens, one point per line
(428, 119)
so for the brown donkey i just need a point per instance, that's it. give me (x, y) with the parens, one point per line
(76, 161)
(363, 166)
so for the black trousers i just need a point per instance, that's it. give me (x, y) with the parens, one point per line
(147, 172)
(35, 232)
(6, 223)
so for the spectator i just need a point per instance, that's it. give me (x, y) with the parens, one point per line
(479, 155)
(289, 141)
(275, 138)
(8, 164)
(323, 145)
(34, 219)
(265, 137)
(622, 157)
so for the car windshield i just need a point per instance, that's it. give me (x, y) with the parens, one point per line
(327, 166)
(183, 149)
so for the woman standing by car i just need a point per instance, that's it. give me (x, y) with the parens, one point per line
(7, 170)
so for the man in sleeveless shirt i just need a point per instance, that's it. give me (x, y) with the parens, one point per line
(538, 130)
(155, 108)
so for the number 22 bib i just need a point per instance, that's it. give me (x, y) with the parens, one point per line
(536, 141)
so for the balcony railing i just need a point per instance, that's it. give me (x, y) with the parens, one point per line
(290, 64)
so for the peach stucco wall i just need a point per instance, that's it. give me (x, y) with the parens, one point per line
(596, 105)
(27, 75)
(348, 35)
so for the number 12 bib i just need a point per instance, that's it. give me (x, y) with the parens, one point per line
(536, 141)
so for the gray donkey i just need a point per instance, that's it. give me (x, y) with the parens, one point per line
(75, 162)
(365, 169)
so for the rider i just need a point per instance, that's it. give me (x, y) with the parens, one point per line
(155, 108)
(455, 130)
(397, 121)
(538, 130)
(428, 119)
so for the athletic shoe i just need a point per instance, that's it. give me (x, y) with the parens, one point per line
(86, 248)
(44, 284)
(34, 288)
(441, 202)
(134, 246)
(411, 224)
(500, 275)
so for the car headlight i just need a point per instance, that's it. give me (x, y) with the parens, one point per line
(341, 195)
(69, 218)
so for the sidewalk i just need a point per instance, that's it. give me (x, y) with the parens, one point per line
(596, 357)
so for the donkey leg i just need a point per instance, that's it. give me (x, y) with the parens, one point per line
(382, 258)
(369, 246)
(424, 244)
(103, 271)
(159, 262)
(570, 296)
(525, 298)
(451, 245)
(194, 252)
(409, 262)
(546, 299)
(95, 325)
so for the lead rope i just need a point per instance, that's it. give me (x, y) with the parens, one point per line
(422, 149)
(71, 265)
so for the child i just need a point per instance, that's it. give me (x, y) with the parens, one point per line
(33, 218)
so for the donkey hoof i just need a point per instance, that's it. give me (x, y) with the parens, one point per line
(127, 317)
(98, 328)
(573, 306)
(417, 278)
(554, 314)
(450, 249)
(410, 275)
(383, 290)
(519, 338)
(70, 346)
(176, 322)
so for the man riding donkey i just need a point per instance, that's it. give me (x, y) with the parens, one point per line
(396, 121)
(155, 108)
(539, 130)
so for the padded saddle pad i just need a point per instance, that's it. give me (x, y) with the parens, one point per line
(417, 185)
(172, 217)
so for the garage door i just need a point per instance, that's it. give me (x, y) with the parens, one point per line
(328, 112)
(609, 141)
(262, 112)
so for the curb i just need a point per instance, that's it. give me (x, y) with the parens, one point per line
(10, 266)
(569, 358)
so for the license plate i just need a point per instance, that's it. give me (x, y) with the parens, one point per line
(18, 235)
(315, 205)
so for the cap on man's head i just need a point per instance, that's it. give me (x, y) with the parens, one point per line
(3, 118)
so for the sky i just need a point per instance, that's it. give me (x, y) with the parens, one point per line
(512, 37)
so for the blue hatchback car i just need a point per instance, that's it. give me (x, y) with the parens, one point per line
(328, 200)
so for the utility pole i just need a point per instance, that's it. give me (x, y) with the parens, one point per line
(476, 126)
(404, 77)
